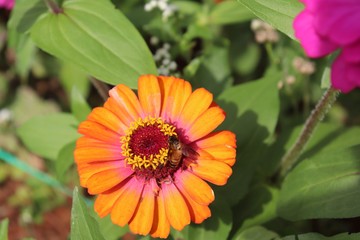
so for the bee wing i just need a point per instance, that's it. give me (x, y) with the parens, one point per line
(190, 152)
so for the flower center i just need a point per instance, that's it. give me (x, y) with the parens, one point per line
(146, 144)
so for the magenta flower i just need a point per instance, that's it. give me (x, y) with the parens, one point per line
(327, 25)
(8, 4)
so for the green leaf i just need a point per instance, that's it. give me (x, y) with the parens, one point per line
(47, 135)
(79, 106)
(279, 13)
(187, 7)
(214, 71)
(25, 13)
(83, 226)
(323, 186)
(96, 37)
(317, 236)
(65, 160)
(4, 224)
(252, 111)
(229, 12)
(24, 51)
(258, 207)
(108, 229)
(72, 76)
(255, 233)
(327, 137)
(217, 226)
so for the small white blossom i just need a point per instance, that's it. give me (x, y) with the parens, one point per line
(163, 5)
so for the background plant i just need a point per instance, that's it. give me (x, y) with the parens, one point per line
(50, 63)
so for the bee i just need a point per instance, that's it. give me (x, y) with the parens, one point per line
(177, 150)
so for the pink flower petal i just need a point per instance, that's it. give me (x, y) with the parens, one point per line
(313, 44)
(338, 20)
(345, 75)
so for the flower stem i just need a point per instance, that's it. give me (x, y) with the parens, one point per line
(53, 6)
(292, 156)
(101, 88)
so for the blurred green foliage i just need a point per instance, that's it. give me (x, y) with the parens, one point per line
(258, 75)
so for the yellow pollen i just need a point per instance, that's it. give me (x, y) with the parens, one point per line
(141, 161)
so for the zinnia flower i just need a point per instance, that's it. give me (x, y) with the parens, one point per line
(8, 4)
(147, 157)
(327, 25)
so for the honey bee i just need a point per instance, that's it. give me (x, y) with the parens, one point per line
(177, 150)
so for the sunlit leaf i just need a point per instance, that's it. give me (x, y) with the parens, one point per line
(83, 226)
(323, 186)
(47, 135)
(278, 13)
(98, 38)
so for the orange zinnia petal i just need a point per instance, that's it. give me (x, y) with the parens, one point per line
(108, 119)
(142, 220)
(127, 108)
(105, 201)
(175, 207)
(98, 153)
(149, 95)
(99, 132)
(198, 212)
(213, 171)
(125, 205)
(161, 225)
(206, 123)
(197, 189)
(174, 101)
(102, 181)
(197, 103)
(87, 170)
(217, 138)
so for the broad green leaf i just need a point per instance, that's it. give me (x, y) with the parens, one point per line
(46, 135)
(79, 106)
(255, 233)
(317, 236)
(72, 76)
(323, 186)
(4, 224)
(252, 111)
(83, 226)
(96, 37)
(25, 13)
(65, 160)
(229, 12)
(258, 207)
(26, 98)
(24, 51)
(279, 13)
(217, 226)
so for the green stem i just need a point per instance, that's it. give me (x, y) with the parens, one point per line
(45, 178)
(54, 7)
(292, 156)
(101, 88)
